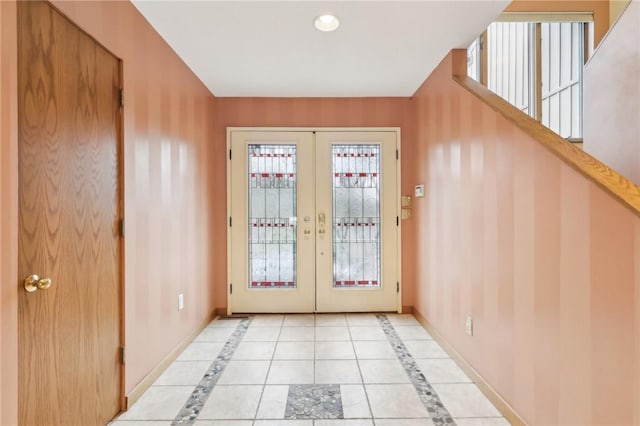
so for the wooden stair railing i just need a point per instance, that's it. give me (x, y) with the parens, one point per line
(611, 181)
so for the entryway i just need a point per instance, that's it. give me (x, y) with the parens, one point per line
(313, 220)
(314, 370)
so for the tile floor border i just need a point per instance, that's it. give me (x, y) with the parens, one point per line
(192, 408)
(438, 412)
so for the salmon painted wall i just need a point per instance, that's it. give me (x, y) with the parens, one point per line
(616, 7)
(545, 262)
(8, 216)
(612, 97)
(167, 126)
(167, 130)
(310, 112)
(600, 9)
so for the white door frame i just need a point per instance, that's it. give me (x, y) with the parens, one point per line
(315, 129)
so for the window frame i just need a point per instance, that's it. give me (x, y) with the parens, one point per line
(535, 21)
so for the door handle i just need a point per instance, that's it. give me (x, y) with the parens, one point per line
(321, 218)
(34, 283)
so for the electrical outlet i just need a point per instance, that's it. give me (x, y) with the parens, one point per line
(468, 325)
(180, 301)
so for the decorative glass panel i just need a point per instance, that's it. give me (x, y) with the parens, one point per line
(272, 216)
(356, 216)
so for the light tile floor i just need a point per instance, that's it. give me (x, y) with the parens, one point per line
(313, 370)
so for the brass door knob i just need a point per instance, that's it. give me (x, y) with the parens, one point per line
(33, 283)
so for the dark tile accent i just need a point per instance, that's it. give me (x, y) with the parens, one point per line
(191, 409)
(439, 414)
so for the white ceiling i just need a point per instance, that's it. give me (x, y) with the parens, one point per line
(271, 48)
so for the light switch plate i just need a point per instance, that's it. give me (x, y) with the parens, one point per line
(419, 192)
(468, 325)
(180, 301)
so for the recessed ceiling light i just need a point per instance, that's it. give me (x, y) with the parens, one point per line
(326, 23)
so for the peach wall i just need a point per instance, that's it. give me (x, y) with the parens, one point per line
(612, 97)
(616, 7)
(8, 216)
(168, 199)
(600, 9)
(311, 112)
(167, 126)
(545, 261)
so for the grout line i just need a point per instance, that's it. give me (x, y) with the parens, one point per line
(194, 404)
(364, 389)
(410, 366)
(266, 377)
(440, 416)
(315, 358)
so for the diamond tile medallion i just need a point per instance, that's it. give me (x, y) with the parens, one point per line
(314, 370)
(314, 402)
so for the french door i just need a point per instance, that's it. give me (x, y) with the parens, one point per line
(313, 223)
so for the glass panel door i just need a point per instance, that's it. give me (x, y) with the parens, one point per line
(356, 215)
(313, 221)
(272, 216)
(356, 195)
(269, 190)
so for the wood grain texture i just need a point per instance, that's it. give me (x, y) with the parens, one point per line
(610, 180)
(544, 259)
(68, 115)
(169, 191)
(8, 216)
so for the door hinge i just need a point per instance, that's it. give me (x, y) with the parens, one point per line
(397, 220)
(230, 288)
(398, 287)
(230, 221)
(121, 94)
(397, 154)
(122, 355)
(121, 227)
(229, 154)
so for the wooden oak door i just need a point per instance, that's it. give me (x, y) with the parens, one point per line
(69, 210)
